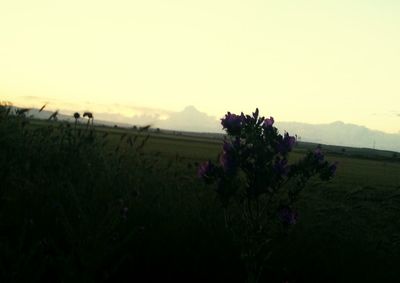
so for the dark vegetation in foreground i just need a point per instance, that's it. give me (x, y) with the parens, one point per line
(80, 203)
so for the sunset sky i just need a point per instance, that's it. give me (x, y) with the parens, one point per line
(307, 61)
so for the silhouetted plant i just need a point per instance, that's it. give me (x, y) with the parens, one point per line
(41, 108)
(22, 111)
(76, 117)
(144, 128)
(53, 116)
(61, 197)
(254, 174)
(89, 115)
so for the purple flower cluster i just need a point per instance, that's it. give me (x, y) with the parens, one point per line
(227, 158)
(286, 144)
(287, 215)
(317, 161)
(254, 152)
(232, 123)
(268, 123)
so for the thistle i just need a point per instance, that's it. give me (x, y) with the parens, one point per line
(76, 117)
(90, 117)
(254, 172)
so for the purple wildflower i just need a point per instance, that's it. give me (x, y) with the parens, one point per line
(205, 170)
(227, 158)
(268, 122)
(286, 144)
(287, 215)
(232, 123)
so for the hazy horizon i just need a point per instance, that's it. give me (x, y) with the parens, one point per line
(120, 110)
(305, 61)
(190, 119)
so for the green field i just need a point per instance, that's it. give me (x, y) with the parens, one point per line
(350, 225)
(102, 209)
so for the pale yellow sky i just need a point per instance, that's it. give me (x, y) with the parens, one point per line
(307, 61)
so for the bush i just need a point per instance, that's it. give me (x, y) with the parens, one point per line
(88, 204)
(254, 178)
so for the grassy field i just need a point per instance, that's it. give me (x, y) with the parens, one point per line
(350, 230)
(100, 207)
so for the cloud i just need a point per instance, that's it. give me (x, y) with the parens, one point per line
(140, 120)
(191, 119)
(386, 114)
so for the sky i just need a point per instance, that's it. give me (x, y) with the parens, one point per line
(306, 61)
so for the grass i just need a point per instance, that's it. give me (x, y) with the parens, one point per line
(88, 205)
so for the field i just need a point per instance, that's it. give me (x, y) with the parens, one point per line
(110, 204)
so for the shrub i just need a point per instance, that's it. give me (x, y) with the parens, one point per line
(253, 176)
(65, 198)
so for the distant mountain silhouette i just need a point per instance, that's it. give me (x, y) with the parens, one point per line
(192, 120)
(340, 133)
(336, 133)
